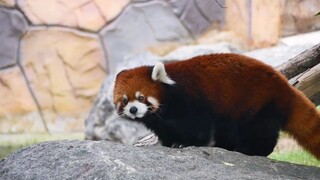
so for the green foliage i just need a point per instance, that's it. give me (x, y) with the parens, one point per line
(317, 14)
(296, 156)
(6, 150)
(13, 142)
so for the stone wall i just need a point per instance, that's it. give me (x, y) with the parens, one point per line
(260, 23)
(55, 54)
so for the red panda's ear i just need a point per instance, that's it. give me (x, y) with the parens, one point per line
(159, 74)
(120, 71)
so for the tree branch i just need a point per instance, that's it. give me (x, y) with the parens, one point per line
(303, 72)
(301, 63)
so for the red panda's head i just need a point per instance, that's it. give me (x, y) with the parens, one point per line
(139, 91)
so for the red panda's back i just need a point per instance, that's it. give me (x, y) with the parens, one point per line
(233, 83)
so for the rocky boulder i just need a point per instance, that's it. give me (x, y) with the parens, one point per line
(106, 160)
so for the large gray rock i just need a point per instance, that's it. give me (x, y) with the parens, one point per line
(187, 52)
(106, 160)
(12, 27)
(277, 55)
(193, 19)
(199, 15)
(214, 11)
(286, 49)
(140, 26)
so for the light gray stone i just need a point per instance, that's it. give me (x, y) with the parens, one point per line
(12, 27)
(312, 38)
(198, 15)
(178, 6)
(106, 160)
(193, 19)
(140, 26)
(187, 52)
(287, 48)
(212, 10)
(277, 55)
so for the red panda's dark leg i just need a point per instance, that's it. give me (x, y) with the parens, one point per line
(259, 135)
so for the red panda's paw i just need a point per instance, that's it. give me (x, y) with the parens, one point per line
(179, 146)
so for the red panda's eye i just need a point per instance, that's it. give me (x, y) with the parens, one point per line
(124, 101)
(140, 98)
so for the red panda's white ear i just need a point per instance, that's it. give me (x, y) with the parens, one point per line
(159, 74)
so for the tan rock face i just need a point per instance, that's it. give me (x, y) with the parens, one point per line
(298, 16)
(257, 24)
(87, 14)
(18, 98)
(65, 68)
(7, 2)
(265, 23)
(18, 112)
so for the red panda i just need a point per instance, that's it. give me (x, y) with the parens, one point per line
(224, 100)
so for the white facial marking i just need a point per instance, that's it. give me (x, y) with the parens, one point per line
(153, 101)
(142, 109)
(138, 94)
(159, 74)
(118, 105)
(125, 96)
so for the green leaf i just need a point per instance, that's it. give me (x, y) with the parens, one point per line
(317, 14)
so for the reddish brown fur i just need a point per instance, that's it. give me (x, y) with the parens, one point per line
(139, 80)
(231, 78)
(235, 85)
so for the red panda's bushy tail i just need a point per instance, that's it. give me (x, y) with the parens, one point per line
(304, 123)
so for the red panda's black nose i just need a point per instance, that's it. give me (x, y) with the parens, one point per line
(133, 110)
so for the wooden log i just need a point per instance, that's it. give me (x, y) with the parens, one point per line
(301, 62)
(303, 72)
(309, 83)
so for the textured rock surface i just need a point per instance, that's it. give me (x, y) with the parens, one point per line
(7, 2)
(250, 21)
(12, 27)
(87, 14)
(106, 160)
(66, 69)
(186, 52)
(193, 19)
(298, 16)
(287, 48)
(17, 104)
(198, 15)
(139, 27)
(278, 54)
(14, 87)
